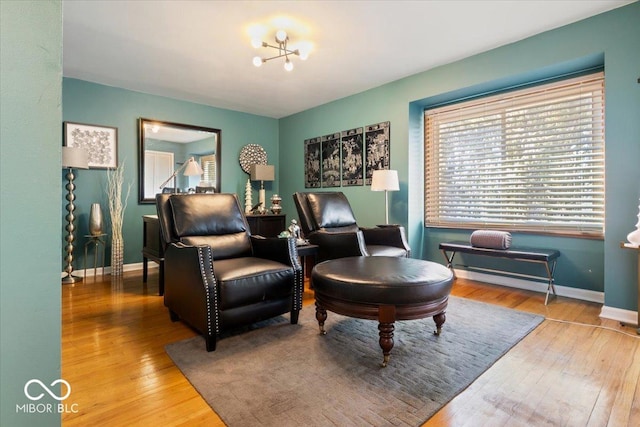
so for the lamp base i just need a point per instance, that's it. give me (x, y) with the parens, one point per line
(262, 198)
(67, 280)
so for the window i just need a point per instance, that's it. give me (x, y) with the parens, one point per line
(209, 170)
(526, 160)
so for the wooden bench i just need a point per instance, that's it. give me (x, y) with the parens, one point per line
(547, 257)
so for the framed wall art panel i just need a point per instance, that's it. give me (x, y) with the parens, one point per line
(352, 154)
(100, 143)
(331, 160)
(378, 149)
(312, 165)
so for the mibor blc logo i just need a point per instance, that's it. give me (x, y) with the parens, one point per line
(35, 390)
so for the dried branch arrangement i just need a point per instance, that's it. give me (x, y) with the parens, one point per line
(117, 205)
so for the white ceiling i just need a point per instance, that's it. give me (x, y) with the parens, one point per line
(200, 51)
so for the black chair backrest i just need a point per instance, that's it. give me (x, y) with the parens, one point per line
(305, 219)
(327, 211)
(215, 220)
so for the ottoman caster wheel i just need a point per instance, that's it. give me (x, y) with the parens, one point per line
(385, 361)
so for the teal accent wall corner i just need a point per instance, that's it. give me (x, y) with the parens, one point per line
(611, 39)
(30, 243)
(91, 103)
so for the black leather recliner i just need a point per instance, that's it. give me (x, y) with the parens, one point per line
(218, 276)
(327, 220)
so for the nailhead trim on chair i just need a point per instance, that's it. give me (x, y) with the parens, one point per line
(297, 273)
(205, 257)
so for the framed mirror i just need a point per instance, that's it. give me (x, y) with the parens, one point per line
(166, 150)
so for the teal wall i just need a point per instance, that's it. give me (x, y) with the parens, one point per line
(30, 185)
(32, 224)
(612, 38)
(91, 103)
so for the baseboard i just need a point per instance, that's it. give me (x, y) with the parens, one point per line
(627, 317)
(530, 285)
(107, 270)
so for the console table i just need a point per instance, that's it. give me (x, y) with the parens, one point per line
(152, 249)
(267, 225)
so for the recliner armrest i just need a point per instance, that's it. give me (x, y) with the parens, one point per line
(387, 236)
(284, 251)
(277, 249)
(192, 268)
(338, 245)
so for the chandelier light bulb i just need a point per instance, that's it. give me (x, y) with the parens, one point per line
(256, 42)
(288, 65)
(257, 61)
(281, 36)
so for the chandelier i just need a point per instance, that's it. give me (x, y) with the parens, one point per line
(282, 38)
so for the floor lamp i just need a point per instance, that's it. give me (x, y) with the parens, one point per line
(190, 167)
(72, 157)
(385, 180)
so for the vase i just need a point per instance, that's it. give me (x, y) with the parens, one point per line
(634, 236)
(117, 257)
(95, 220)
(276, 208)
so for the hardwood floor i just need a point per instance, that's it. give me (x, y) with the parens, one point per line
(585, 373)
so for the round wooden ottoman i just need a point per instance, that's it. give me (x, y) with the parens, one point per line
(381, 288)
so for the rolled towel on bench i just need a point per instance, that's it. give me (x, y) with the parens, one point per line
(491, 239)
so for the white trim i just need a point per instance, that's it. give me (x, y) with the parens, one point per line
(627, 317)
(530, 285)
(107, 269)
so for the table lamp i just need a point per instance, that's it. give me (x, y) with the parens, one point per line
(262, 173)
(385, 180)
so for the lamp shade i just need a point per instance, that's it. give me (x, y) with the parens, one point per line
(74, 157)
(263, 172)
(193, 168)
(385, 180)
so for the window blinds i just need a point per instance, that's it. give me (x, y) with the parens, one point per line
(209, 170)
(528, 160)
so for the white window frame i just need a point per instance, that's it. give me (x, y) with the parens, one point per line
(529, 160)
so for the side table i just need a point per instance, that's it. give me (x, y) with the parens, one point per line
(267, 225)
(637, 249)
(97, 241)
(309, 255)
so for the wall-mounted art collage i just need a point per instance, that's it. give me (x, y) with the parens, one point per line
(346, 158)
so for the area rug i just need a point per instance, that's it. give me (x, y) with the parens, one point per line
(278, 374)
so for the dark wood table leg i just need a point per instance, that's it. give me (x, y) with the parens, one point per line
(161, 278)
(145, 269)
(387, 318)
(321, 316)
(439, 319)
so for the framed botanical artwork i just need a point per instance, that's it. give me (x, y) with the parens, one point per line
(100, 142)
(312, 167)
(331, 160)
(352, 166)
(378, 150)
